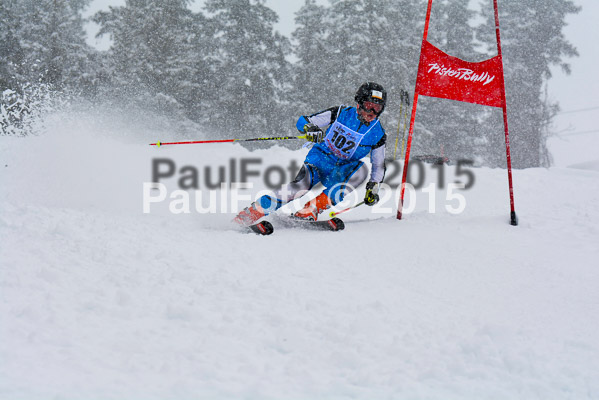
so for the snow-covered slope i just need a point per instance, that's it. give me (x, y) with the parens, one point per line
(101, 301)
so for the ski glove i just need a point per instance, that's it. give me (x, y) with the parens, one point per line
(313, 133)
(371, 197)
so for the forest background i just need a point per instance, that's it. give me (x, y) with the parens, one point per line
(224, 71)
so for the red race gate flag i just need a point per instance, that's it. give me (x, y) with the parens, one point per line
(441, 75)
(448, 77)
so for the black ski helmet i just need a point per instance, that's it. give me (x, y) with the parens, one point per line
(373, 92)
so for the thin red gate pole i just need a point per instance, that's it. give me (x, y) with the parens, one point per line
(513, 217)
(413, 118)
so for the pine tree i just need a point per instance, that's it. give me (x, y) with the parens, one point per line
(198, 56)
(52, 32)
(532, 42)
(357, 44)
(43, 56)
(252, 69)
(11, 53)
(151, 59)
(311, 50)
(43, 41)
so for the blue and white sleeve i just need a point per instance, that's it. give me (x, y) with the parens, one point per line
(321, 119)
(377, 159)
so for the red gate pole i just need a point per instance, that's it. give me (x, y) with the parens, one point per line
(513, 216)
(412, 119)
(407, 157)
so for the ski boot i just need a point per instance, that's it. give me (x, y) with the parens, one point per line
(313, 208)
(249, 215)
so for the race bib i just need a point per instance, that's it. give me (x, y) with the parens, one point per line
(343, 141)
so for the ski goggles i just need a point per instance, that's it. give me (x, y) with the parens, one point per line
(371, 107)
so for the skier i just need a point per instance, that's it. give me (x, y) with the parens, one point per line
(334, 159)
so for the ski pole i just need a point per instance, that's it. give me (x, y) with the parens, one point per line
(333, 213)
(405, 98)
(158, 144)
(404, 101)
(398, 125)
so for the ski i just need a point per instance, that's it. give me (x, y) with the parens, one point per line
(265, 228)
(333, 224)
(262, 228)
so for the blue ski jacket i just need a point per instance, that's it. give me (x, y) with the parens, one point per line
(347, 139)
